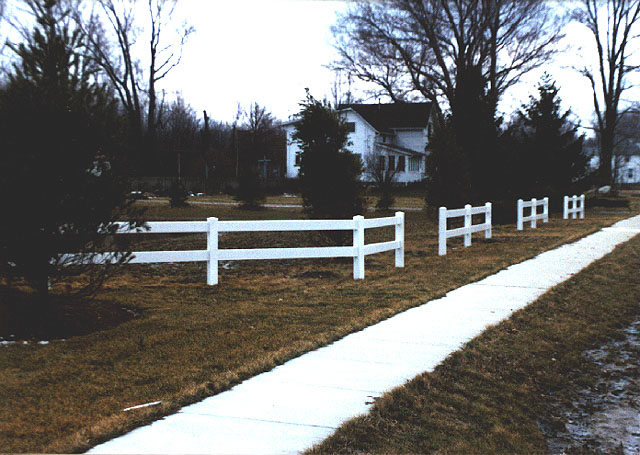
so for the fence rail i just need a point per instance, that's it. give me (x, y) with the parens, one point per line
(573, 206)
(213, 227)
(467, 212)
(534, 216)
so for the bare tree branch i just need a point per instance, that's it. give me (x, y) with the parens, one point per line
(612, 24)
(415, 48)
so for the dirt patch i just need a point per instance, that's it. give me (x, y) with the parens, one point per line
(21, 318)
(603, 417)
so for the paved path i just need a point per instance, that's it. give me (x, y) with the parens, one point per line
(303, 401)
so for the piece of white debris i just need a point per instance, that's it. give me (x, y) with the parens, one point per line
(43, 342)
(153, 403)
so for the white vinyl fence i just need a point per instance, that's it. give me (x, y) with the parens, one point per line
(213, 227)
(573, 206)
(467, 230)
(534, 216)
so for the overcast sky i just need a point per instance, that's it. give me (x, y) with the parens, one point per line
(264, 51)
(268, 51)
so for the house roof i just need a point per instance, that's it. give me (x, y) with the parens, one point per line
(389, 117)
(399, 150)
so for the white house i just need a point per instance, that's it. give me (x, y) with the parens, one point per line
(629, 169)
(396, 133)
(626, 166)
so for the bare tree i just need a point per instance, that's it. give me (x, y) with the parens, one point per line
(3, 8)
(377, 170)
(114, 53)
(163, 56)
(339, 93)
(415, 48)
(259, 130)
(613, 24)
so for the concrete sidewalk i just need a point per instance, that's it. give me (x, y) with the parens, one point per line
(298, 404)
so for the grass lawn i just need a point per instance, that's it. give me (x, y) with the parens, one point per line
(401, 200)
(188, 340)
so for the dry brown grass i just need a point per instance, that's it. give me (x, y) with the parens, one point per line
(493, 395)
(192, 340)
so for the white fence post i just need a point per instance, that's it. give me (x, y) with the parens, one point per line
(467, 225)
(358, 244)
(574, 206)
(565, 208)
(212, 248)
(400, 238)
(582, 206)
(545, 210)
(520, 226)
(442, 231)
(534, 212)
(487, 220)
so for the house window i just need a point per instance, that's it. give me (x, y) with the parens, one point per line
(392, 163)
(414, 164)
(401, 163)
(630, 174)
(381, 161)
(298, 158)
(351, 127)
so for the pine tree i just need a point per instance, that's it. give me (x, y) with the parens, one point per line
(551, 154)
(464, 161)
(59, 143)
(329, 172)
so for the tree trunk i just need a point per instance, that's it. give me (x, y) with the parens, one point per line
(606, 154)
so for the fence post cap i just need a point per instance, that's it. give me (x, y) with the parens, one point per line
(212, 218)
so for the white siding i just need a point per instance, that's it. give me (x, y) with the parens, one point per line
(629, 171)
(292, 149)
(363, 137)
(412, 139)
(363, 141)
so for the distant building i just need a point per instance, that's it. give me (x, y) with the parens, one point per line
(396, 133)
(629, 169)
(626, 167)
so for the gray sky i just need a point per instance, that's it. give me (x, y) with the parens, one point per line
(268, 51)
(264, 51)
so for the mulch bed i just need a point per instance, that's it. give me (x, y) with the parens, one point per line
(22, 318)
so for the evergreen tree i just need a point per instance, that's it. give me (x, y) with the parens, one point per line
(259, 130)
(59, 142)
(329, 172)
(551, 157)
(464, 164)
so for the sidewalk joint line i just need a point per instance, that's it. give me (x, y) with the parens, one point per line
(254, 419)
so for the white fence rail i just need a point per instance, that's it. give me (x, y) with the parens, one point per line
(534, 216)
(467, 212)
(213, 227)
(573, 206)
